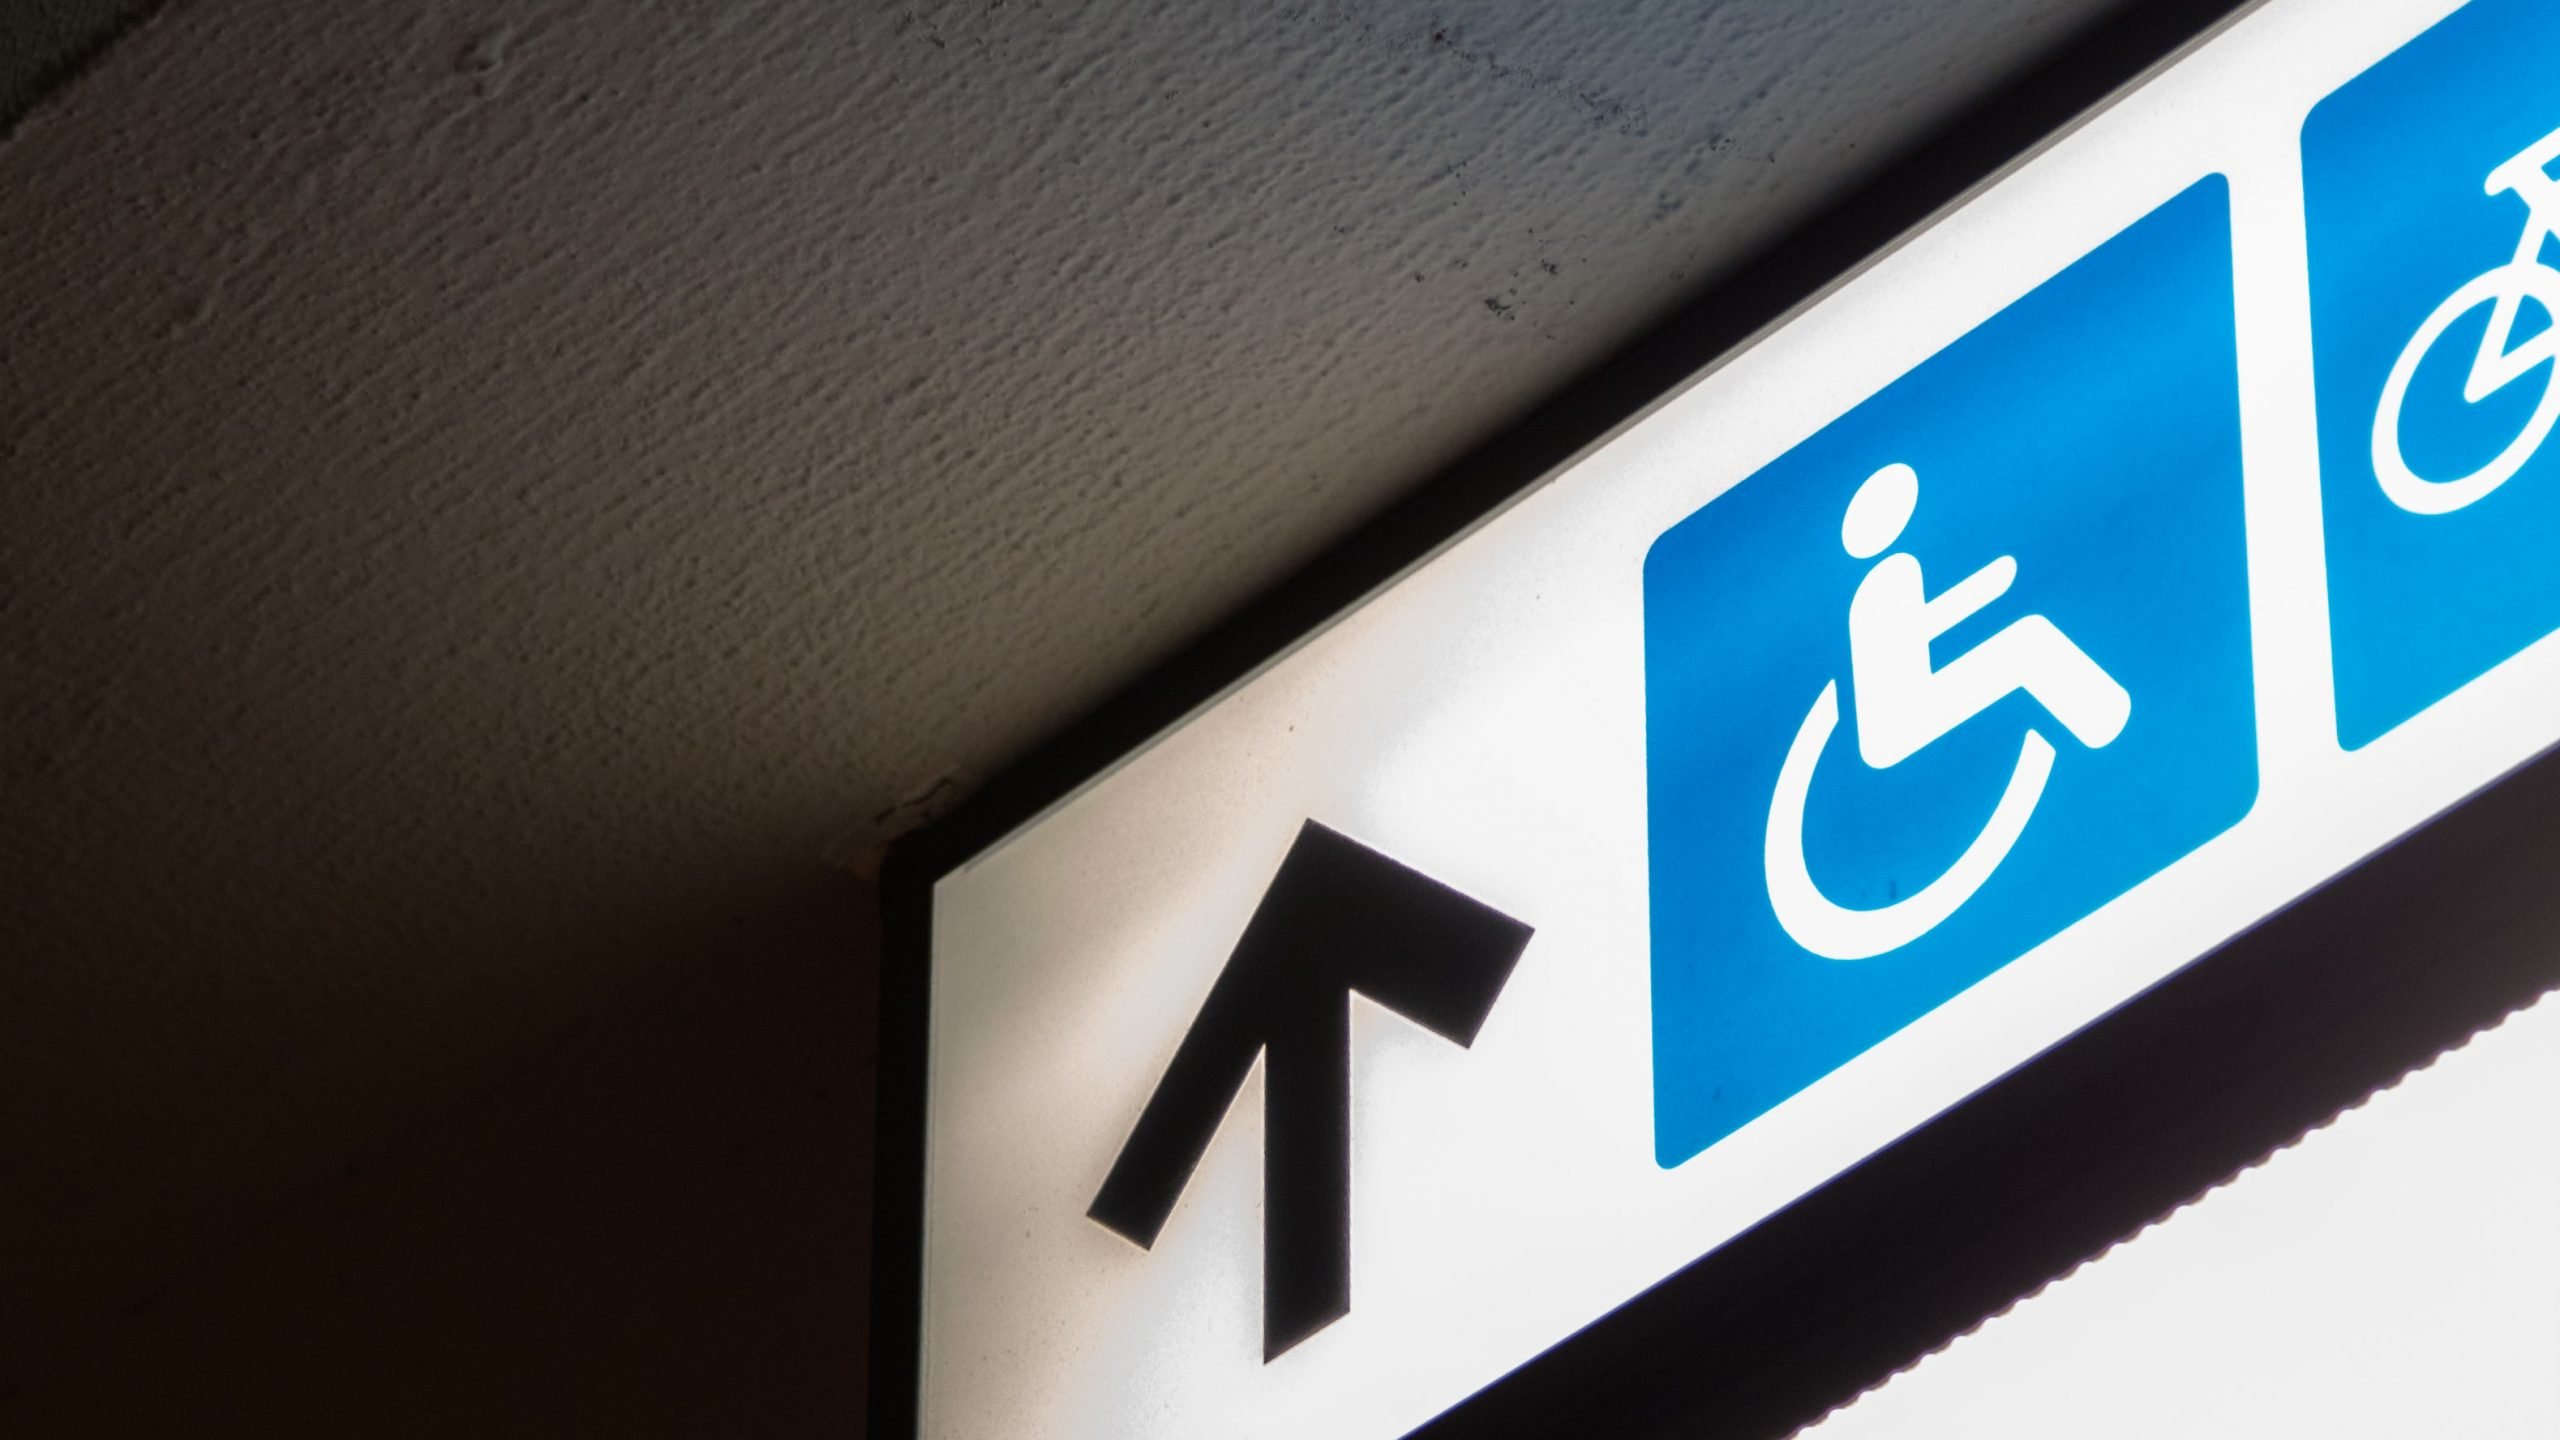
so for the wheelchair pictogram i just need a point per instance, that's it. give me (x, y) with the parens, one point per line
(2501, 359)
(1906, 702)
(1930, 775)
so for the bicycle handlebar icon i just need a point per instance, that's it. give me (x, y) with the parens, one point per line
(2499, 362)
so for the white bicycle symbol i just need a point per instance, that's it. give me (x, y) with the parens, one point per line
(2500, 362)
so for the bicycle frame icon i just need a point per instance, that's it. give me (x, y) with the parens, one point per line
(2500, 361)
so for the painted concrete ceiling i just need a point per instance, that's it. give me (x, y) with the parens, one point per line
(500, 495)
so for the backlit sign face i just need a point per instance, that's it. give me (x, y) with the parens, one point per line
(2126, 553)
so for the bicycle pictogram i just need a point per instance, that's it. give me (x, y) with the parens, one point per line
(2501, 359)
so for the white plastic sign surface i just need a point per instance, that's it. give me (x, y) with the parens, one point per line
(2148, 539)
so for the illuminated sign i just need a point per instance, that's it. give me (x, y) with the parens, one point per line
(2123, 555)
(1983, 645)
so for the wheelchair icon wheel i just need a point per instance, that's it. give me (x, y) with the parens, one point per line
(1837, 932)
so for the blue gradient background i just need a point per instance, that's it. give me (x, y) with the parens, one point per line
(2092, 430)
(2392, 168)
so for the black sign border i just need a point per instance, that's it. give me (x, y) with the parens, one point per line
(2236, 1055)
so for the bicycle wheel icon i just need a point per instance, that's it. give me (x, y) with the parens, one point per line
(2494, 368)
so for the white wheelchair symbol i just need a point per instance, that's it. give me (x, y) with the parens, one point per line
(1906, 703)
(2500, 362)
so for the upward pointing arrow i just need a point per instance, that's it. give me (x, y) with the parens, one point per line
(1338, 917)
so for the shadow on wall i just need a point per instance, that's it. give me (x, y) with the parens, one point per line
(659, 1226)
(46, 44)
(422, 1010)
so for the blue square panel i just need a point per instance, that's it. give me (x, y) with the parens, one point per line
(2431, 207)
(1949, 675)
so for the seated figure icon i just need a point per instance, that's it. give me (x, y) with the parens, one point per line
(1906, 702)
(1948, 674)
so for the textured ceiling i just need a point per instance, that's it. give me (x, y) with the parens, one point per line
(44, 44)
(496, 491)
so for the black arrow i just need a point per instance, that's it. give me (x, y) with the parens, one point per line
(1338, 917)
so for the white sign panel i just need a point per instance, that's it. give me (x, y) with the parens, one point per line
(2137, 546)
